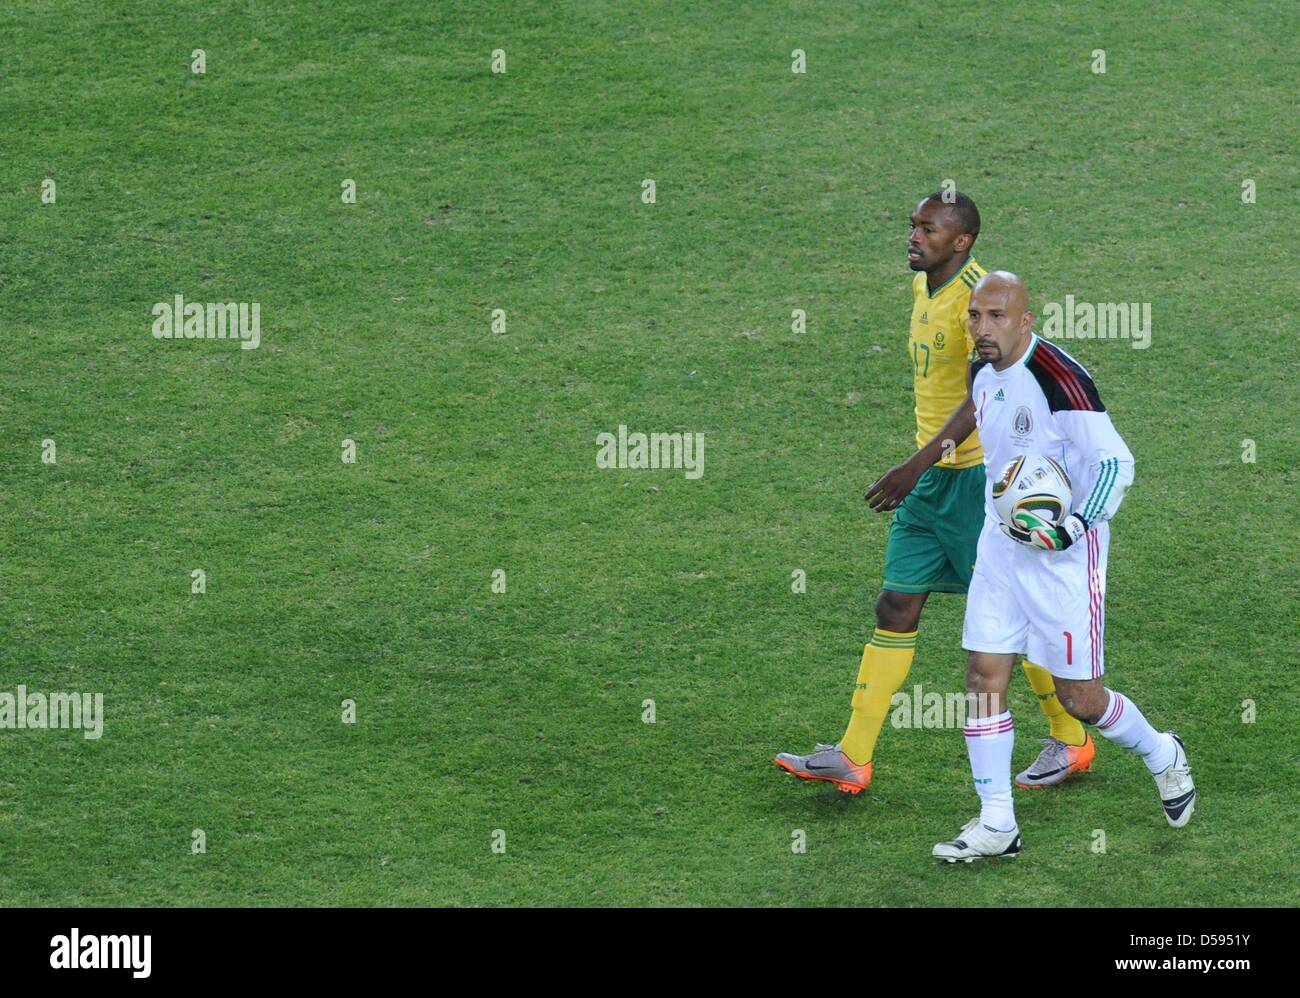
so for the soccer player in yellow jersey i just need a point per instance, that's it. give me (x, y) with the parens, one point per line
(937, 496)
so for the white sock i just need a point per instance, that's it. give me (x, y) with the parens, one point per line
(1126, 726)
(988, 743)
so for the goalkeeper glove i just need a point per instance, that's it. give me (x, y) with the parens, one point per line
(1037, 532)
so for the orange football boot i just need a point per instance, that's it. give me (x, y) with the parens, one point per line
(827, 764)
(1057, 762)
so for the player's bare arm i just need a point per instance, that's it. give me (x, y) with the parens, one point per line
(891, 488)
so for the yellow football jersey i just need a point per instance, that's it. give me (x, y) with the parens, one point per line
(941, 347)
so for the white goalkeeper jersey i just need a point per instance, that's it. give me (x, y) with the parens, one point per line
(1046, 403)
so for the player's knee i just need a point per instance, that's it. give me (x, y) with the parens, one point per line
(1079, 701)
(899, 612)
(985, 692)
(981, 681)
(1080, 712)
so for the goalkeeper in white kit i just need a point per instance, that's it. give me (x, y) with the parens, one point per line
(1039, 585)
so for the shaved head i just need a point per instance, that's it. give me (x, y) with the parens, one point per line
(1004, 285)
(999, 318)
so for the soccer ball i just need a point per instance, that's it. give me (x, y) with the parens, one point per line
(1033, 482)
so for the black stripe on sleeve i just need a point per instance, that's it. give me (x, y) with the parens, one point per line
(1064, 382)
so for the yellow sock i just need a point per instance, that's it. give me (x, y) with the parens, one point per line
(1068, 729)
(885, 663)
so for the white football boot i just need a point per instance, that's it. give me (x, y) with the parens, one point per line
(1177, 791)
(978, 841)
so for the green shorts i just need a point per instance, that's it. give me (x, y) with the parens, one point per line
(935, 532)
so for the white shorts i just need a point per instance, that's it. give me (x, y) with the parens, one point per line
(1048, 605)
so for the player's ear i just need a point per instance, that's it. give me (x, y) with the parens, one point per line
(1027, 321)
(963, 243)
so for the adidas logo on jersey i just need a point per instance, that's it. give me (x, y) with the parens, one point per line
(999, 397)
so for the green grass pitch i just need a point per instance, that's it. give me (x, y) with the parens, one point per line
(521, 711)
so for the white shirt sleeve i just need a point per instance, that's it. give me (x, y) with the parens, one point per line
(1107, 457)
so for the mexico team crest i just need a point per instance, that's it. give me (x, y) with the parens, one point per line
(1022, 423)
